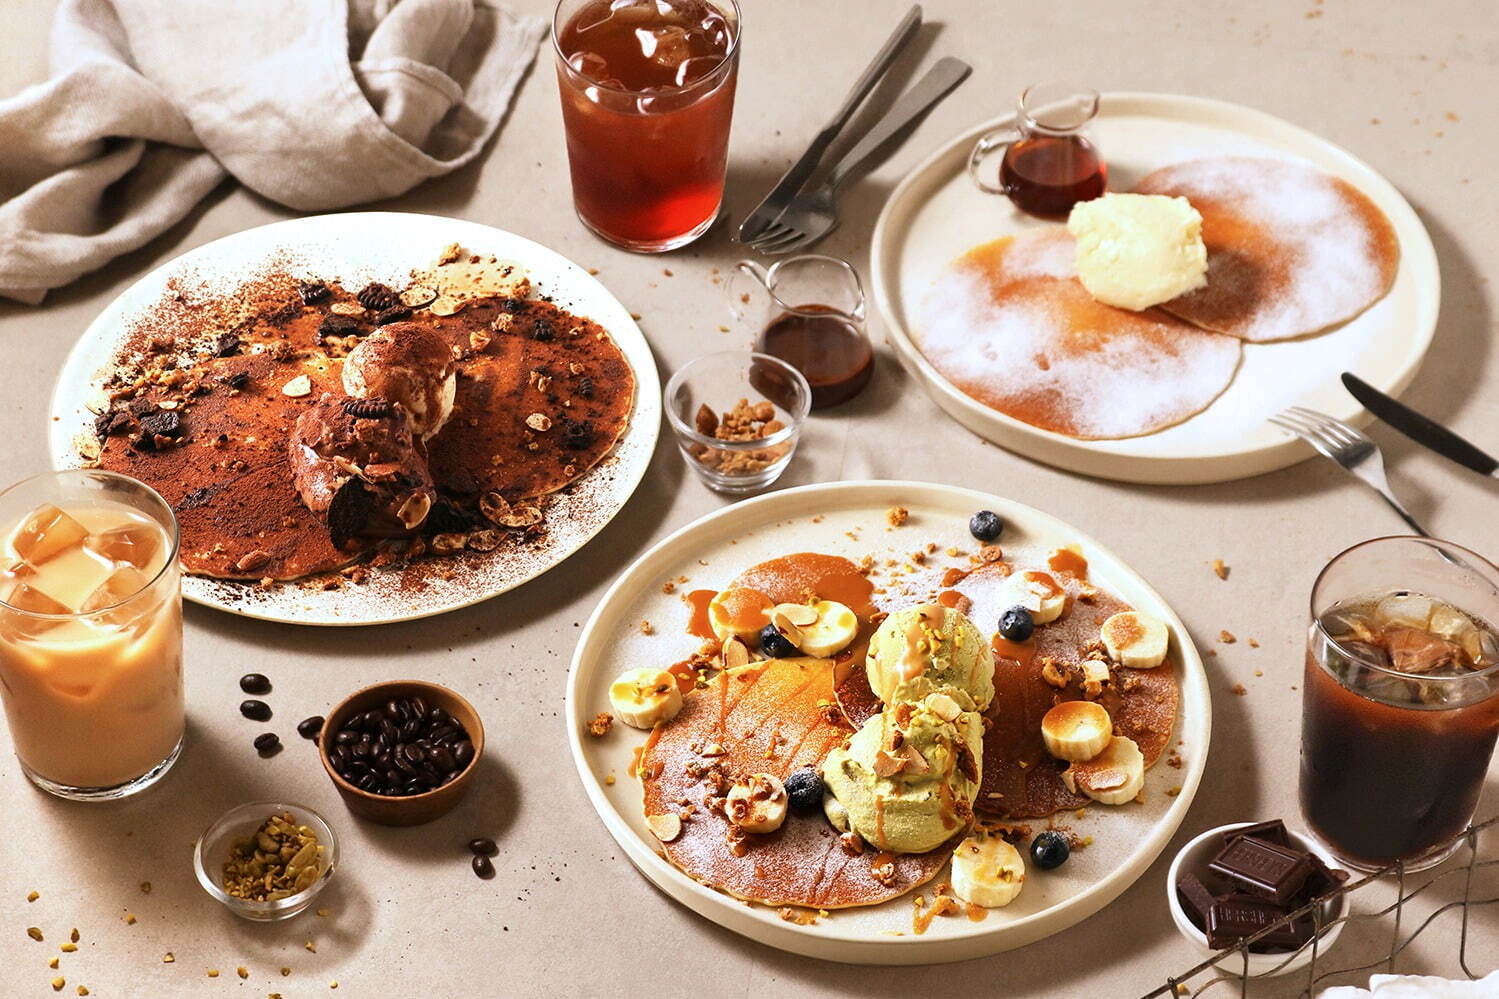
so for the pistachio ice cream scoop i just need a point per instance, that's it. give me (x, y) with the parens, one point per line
(908, 778)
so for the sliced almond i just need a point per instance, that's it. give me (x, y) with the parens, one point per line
(417, 296)
(792, 633)
(539, 421)
(346, 309)
(886, 765)
(665, 827)
(800, 615)
(944, 707)
(297, 387)
(445, 306)
(735, 654)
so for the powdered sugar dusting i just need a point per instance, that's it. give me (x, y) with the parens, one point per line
(1010, 325)
(1291, 250)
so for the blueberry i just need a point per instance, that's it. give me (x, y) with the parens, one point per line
(986, 525)
(1016, 624)
(775, 644)
(1049, 850)
(804, 788)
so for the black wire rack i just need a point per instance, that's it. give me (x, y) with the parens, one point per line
(1462, 867)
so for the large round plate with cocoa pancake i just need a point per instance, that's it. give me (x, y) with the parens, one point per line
(353, 250)
(850, 520)
(936, 215)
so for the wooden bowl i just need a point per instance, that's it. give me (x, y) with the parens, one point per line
(415, 809)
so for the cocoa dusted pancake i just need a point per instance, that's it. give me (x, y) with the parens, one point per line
(1291, 250)
(1021, 780)
(205, 416)
(1011, 326)
(774, 716)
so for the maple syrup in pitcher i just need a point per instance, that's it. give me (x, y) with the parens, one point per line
(814, 322)
(1049, 162)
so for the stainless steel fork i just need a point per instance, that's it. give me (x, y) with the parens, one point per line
(1354, 450)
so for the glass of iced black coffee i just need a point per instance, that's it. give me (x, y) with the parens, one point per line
(1400, 707)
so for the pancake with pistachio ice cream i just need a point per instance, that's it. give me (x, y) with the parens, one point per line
(907, 780)
(774, 716)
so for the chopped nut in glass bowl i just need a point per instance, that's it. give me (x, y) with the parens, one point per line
(266, 860)
(737, 416)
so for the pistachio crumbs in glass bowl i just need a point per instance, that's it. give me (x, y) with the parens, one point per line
(266, 861)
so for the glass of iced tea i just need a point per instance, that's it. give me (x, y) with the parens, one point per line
(1400, 707)
(90, 633)
(647, 99)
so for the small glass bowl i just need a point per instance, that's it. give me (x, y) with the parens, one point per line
(717, 382)
(213, 848)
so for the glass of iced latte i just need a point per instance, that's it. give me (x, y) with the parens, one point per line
(90, 632)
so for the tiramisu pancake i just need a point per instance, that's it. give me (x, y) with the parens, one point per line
(772, 716)
(462, 406)
(1009, 324)
(1291, 250)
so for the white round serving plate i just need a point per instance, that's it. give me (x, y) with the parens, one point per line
(936, 213)
(821, 518)
(357, 248)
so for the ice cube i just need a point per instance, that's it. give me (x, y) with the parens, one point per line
(668, 46)
(1347, 625)
(129, 544)
(1481, 648)
(29, 598)
(1415, 650)
(125, 582)
(590, 65)
(1404, 610)
(48, 532)
(696, 68)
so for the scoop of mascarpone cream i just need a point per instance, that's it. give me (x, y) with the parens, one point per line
(1138, 250)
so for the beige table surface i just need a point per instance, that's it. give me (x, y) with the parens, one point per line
(1410, 89)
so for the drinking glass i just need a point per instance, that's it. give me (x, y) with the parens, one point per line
(647, 157)
(1049, 160)
(1393, 761)
(810, 310)
(93, 697)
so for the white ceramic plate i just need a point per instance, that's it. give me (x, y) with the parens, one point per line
(385, 246)
(937, 213)
(821, 518)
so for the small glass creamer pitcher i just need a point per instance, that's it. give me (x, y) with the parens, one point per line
(1049, 162)
(810, 315)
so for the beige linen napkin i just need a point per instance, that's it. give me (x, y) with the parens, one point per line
(316, 104)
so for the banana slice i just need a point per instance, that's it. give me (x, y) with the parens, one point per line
(1038, 593)
(1136, 640)
(832, 631)
(644, 697)
(757, 804)
(1076, 730)
(1113, 777)
(987, 871)
(739, 612)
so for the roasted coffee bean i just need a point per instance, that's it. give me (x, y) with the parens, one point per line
(484, 847)
(403, 747)
(255, 710)
(268, 744)
(255, 683)
(483, 867)
(308, 728)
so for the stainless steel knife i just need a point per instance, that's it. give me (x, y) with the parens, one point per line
(1423, 430)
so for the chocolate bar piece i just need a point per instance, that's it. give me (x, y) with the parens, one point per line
(1321, 881)
(1273, 831)
(1264, 868)
(1195, 898)
(1234, 917)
